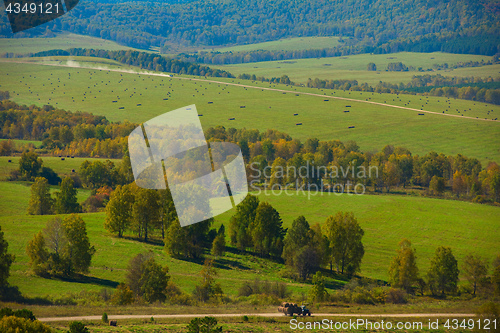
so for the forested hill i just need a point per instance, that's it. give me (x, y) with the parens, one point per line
(220, 22)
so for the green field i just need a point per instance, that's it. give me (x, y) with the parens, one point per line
(62, 41)
(93, 90)
(21, 143)
(386, 220)
(354, 67)
(286, 44)
(62, 168)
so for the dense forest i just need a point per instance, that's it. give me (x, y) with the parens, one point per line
(383, 25)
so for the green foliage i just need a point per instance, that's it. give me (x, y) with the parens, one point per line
(79, 250)
(188, 241)
(51, 176)
(371, 67)
(6, 260)
(122, 295)
(239, 225)
(437, 185)
(267, 230)
(204, 325)
(219, 243)
(22, 313)
(105, 318)
(303, 249)
(403, 271)
(15, 324)
(66, 201)
(78, 327)
(147, 279)
(443, 274)
(344, 234)
(119, 210)
(63, 248)
(474, 270)
(208, 289)
(318, 292)
(30, 165)
(145, 211)
(40, 200)
(98, 174)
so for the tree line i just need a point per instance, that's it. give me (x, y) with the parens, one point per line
(144, 60)
(63, 132)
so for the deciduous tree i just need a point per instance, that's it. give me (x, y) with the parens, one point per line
(66, 201)
(443, 273)
(475, 270)
(119, 210)
(345, 236)
(40, 200)
(403, 272)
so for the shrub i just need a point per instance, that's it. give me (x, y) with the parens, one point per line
(396, 296)
(78, 327)
(105, 318)
(489, 311)
(12, 324)
(123, 295)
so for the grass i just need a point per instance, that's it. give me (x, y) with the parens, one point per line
(286, 44)
(93, 90)
(386, 220)
(21, 143)
(354, 67)
(62, 41)
(62, 168)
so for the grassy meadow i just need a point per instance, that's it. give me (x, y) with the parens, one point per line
(354, 67)
(285, 44)
(386, 219)
(139, 97)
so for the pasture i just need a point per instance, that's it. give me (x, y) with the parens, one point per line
(118, 95)
(428, 223)
(286, 44)
(354, 67)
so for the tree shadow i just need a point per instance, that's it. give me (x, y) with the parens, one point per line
(229, 264)
(152, 241)
(90, 280)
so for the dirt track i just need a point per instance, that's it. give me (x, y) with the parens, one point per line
(320, 315)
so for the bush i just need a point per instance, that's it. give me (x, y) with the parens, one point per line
(12, 324)
(396, 296)
(123, 295)
(105, 318)
(490, 311)
(78, 327)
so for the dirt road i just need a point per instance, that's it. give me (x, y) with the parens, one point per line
(320, 315)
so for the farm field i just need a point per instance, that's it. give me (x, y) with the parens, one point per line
(286, 44)
(386, 219)
(62, 41)
(354, 67)
(139, 97)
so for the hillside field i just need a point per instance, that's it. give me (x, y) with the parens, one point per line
(354, 67)
(386, 219)
(139, 97)
(285, 44)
